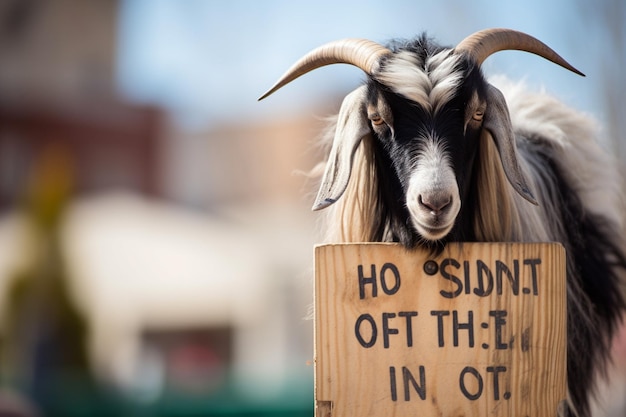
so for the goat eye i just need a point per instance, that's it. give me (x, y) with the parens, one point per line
(377, 120)
(478, 115)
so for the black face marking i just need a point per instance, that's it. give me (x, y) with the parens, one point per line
(422, 131)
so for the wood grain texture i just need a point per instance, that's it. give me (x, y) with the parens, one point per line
(480, 330)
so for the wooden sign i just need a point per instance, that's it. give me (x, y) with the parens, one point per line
(479, 330)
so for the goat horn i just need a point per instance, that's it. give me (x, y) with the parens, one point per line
(361, 53)
(482, 44)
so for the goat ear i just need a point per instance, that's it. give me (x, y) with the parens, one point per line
(498, 122)
(352, 126)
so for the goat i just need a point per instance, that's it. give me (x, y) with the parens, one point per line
(427, 152)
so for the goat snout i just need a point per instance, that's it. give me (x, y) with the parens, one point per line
(433, 212)
(436, 203)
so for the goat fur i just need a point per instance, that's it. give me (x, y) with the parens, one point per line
(560, 152)
(428, 151)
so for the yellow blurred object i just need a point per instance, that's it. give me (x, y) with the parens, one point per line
(50, 187)
(45, 334)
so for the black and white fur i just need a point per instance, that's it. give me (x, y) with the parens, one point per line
(415, 149)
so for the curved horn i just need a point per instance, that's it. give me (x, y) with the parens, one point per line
(361, 53)
(482, 44)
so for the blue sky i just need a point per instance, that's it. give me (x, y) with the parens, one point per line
(208, 61)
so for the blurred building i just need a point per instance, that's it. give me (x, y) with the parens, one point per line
(57, 86)
(189, 254)
(111, 145)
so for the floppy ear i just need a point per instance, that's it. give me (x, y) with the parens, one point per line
(498, 123)
(352, 126)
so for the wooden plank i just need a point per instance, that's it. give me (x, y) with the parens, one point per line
(479, 330)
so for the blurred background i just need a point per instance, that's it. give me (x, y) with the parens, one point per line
(156, 241)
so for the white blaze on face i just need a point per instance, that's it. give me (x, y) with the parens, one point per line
(431, 84)
(433, 196)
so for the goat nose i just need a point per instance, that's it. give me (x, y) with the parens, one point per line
(435, 203)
